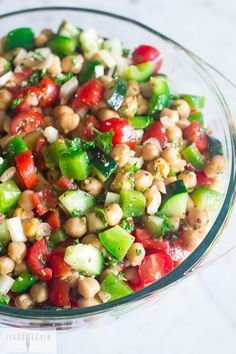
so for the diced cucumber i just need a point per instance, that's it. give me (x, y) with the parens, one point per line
(140, 122)
(53, 152)
(214, 146)
(198, 117)
(140, 72)
(174, 202)
(103, 165)
(194, 101)
(90, 70)
(193, 156)
(132, 203)
(111, 198)
(86, 259)
(4, 164)
(9, 195)
(67, 29)
(62, 45)
(31, 139)
(114, 46)
(15, 147)
(117, 241)
(77, 202)
(116, 93)
(75, 164)
(160, 94)
(5, 236)
(154, 224)
(90, 42)
(205, 198)
(115, 287)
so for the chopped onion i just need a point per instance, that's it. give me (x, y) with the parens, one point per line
(139, 134)
(136, 161)
(8, 174)
(153, 141)
(22, 54)
(16, 230)
(6, 283)
(68, 89)
(99, 71)
(51, 134)
(107, 58)
(5, 78)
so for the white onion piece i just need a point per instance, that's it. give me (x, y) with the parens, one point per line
(136, 161)
(16, 230)
(139, 134)
(153, 141)
(68, 89)
(44, 52)
(99, 71)
(5, 78)
(51, 134)
(22, 54)
(6, 283)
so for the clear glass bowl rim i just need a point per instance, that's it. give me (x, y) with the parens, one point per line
(193, 259)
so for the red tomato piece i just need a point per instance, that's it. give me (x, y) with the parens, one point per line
(202, 179)
(37, 257)
(90, 94)
(22, 75)
(150, 244)
(156, 130)
(86, 130)
(196, 134)
(41, 141)
(145, 53)
(65, 183)
(58, 265)
(59, 292)
(123, 132)
(54, 220)
(26, 169)
(141, 234)
(28, 97)
(46, 199)
(49, 92)
(26, 122)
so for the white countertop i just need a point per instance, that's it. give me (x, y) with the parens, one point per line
(198, 316)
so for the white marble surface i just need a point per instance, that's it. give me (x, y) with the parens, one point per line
(198, 315)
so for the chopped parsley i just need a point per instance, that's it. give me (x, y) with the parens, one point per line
(62, 79)
(4, 299)
(138, 252)
(104, 140)
(8, 66)
(125, 52)
(166, 225)
(127, 224)
(34, 78)
(16, 102)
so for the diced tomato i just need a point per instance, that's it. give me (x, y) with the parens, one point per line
(156, 130)
(202, 179)
(58, 265)
(196, 134)
(60, 249)
(37, 257)
(145, 53)
(141, 234)
(46, 199)
(40, 162)
(26, 122)
(136, 286)
(85, 129)
(190, 167)
(150, 244)
(28, 97)
(90, 94)
(41, 141)
(49, 92)
(22, 75)
(59, 292)
(54, 220)
(26, 169)
(123, 132)
(155, 266)
(65, 183)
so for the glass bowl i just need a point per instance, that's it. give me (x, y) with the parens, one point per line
(187, 73)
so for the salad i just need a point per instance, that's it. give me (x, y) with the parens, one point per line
(108, 179)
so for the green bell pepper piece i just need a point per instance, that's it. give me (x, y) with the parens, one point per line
(4, 164)
(88, 71)
(115, 94)
(193, 156)
(205, 198)
(4, 299)
(9, 195)
(198, 117)
(19, 38)
(5, 236)
(23, 282)
(15, 147)
(140, 72)
(117, 241)
(140, 122)
(115, 287)
(57, 236)
(75, 164)
(160, 94)
(62, 45)
(132, 203)
(194, 101)
(53, 152)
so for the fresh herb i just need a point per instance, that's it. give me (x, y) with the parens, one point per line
(75, 144)
(138, 252)
(16, 102)
(4, 299)
(166, 225)
(76, 241)
(62, 79)
(171, 173)
(88, 144)
(34, 78)
(125, 52)
(100, 213)
(127, 224)
(51, 245)
(121, 276)
(8, 66)
(104, 140)
(132, 169)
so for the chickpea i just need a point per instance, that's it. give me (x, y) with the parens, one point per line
(170, 154)
(20, 268)
(17, 251)
(60, 110)
(8, 174)
(92, 239)
(214, 166)
(150, 152)
(131, 274)
(3, 64)
(174, 133)
(169, 180)
(133, 88)
(179, 165)
(138, 150)
(121, 181)
(23, 214)
(153, 197)
(6, 265)
(92, 186)
(216, 184)
(48, 121)
(43, 37)
(55, 68)
(30, 227)
(136, 254)
(143, 180)
(23, 301)
(175, 221)
(82, 302)
(111, 269)
(39, 292)
(113, 214)
(76, 227)
(183, 123)
(68, 122)
(173, 115)
(198, 218)
(121, 153)
(88, 287)
(72, 64)
(129, 107)
(106, 113)
(182, 108)
(191, 239)
(159, 168)
(189, 178)
(25, 201)
(71, 277)
(142, 105)
(94, 223)
(160, 183)
(5, 99)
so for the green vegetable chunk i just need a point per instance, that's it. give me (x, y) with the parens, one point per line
(4, 164)
(62, 45)
(140, 122)
(15, 147)
(117, 241)
(157, 225)
(53, 152)
(115, 287)
(193, 156)
(5, 236)
(214, 146)
(132, 203)
(91, 70)
(160, 94)
(198, 117)
(140, 72)
(19, 38)
(103, 165)
(77, 202)
(23, 282)
(9, 195)
(174, 202)
(116, 94)
(57, 236)
(194, 101)
(4, 299)
(205, 198)
(75, 164)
